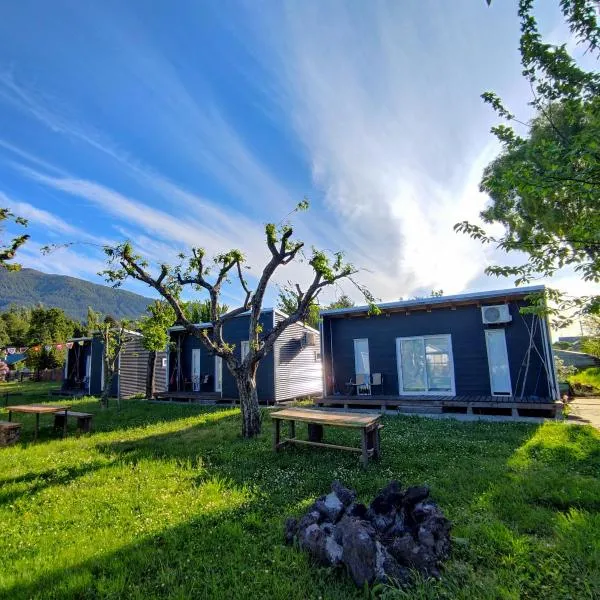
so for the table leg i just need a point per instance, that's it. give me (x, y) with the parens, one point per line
(292, 425)
(37, 425)
(276, 429)
(364, 445)
(9, 416)
(65, 425)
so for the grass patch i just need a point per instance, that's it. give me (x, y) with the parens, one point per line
(26, 392)
(169, 502)
(586, 382)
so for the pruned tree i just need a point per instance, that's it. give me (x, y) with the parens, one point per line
(114, 336)
(197, 272)
(7, 252)
(544, 187)
(154, 328)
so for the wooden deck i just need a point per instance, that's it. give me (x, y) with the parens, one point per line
(198, 397)
(471, 405)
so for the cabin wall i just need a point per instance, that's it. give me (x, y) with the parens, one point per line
(464, 324)
(96, 370)
(234, 331)
(160, 372)
(133, 369)
(298, 369)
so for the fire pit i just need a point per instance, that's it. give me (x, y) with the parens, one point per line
(402, 529)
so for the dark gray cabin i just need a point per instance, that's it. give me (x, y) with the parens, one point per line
(292, 370)
(442, 350)
(84, 368)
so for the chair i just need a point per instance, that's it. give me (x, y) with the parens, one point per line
(377, 380)
(363, 384)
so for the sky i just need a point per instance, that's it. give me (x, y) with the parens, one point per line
(192, 124)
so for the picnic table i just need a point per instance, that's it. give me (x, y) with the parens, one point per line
(38, 409)
(368, 424)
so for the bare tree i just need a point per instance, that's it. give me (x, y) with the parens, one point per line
(197, 273)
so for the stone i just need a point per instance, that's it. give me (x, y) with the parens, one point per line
(359, 553)
(321, 546)
(415, 494)
(381, 522)
(409, 552)
(311, 518)
(357, 510)
(346, 495)
(388, 498)
(330, 507)
(291, 530)
(388, 570)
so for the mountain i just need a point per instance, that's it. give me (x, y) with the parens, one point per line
(29, 287)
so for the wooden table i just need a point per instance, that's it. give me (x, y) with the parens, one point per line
(38, 409)
(369, 425)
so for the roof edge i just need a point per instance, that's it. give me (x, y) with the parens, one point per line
(434, 300)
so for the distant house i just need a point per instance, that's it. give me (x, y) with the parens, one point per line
(292, 370)
(84, 368)
(468, 350)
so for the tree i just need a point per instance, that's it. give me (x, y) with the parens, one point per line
(545, 185)
(8, 252)
(343, 301)
(156, 337)
(114, 336)
(287, 302)
(195, 272)
(47, 327)
(591, 342)
(199, 311)
(17, 321)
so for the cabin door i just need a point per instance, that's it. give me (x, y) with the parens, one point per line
(495, 341)
(196, 369)
(218, 374)
(88, 372)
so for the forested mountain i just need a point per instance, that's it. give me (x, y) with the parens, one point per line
(29, 287)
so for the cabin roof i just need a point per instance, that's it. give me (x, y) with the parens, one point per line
(438, 301)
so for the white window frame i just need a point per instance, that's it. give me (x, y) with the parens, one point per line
(451, 392)
(487, 349)
(244, 348)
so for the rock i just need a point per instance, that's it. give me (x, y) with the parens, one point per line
(311, 518)
(388, 570)
(414, 494)
(381, 522)
(388, 498)
(330, 507)
(357, 510)
(359, 553)
(291, 529)
(346, 495)
(409, 552)
(321, 546)
(328, 528)
(398, 527)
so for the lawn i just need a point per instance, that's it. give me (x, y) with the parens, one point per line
(587, 381)
(167, 501)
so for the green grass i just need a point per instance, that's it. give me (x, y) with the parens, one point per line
(26, 392)
(167, 501)
(586, 381)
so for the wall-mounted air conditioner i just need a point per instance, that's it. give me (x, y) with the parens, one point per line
(492, 315)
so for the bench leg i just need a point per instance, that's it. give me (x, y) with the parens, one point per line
(365, 450)
(276, 431)
(65, 425)
(37, 426)
(59, 421)
(84, 424)
(315, 432)
(377, 444)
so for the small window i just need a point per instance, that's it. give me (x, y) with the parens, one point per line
(245, 348)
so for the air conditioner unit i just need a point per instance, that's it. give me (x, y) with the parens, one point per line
(495, 314)
(309, 339)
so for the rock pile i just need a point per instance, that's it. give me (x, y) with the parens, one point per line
(400, 530)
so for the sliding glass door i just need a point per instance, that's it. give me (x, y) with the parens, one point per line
(425, 365)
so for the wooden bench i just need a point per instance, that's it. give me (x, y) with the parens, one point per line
(9, 433)
(369, 425)
(84, 420)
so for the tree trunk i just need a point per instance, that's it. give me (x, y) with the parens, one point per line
(108, 379)
(150, 374)
(251, 418)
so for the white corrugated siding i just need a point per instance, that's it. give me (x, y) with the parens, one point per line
(297, 367)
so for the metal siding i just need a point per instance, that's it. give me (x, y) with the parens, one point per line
(465, 326)
(133, 368)
(160, 373)
(298, 372)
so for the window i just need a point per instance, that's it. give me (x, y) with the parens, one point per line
(245, 348)
(425, 365)
(362, 366)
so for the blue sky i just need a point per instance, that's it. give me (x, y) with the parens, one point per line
(194, 123)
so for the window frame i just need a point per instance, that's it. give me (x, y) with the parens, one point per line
(423, 338)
